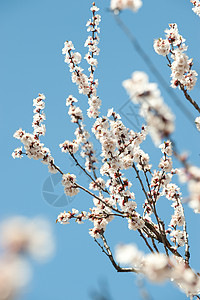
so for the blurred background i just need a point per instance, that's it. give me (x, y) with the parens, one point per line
(32, 37)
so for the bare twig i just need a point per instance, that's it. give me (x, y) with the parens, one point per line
(154, 245)
(188, 97)
(145, 240)
(140, 180)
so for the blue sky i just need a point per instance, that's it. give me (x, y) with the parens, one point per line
(32, 36)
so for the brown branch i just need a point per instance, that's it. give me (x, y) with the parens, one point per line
(188, 97)
(110, 256)
(140, 180)
(187, 252)
(152, 205)
(145, 240)
(158, 237)
(148, 225)
(154, 244)
(57, 168)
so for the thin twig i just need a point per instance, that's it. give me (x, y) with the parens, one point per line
(145, 240)
(140, 180)
(84, 170)
(154, 245)
(187, 247)
(102, 248)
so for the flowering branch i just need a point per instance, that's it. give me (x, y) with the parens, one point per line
(152, 67)
(112, 192)
(182, 74)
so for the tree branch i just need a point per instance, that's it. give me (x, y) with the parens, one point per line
(110, 256)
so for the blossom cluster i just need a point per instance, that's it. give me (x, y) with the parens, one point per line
(120, 149)
(100, 215)
(69, 183)
(86, 85)
(172, 192)
(65, 217)
(181, 67)
(196, 8)
(31, 141)
(158, 267)
(22, 238)
(197, 122)
(126, 4)
(158, 116)
(191, 176)
(121, 197)
(161, 186)
(82, 137)
(73, 59)
(120, 146)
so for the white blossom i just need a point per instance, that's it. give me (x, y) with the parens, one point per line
(126, 4)
(32, 236)
(162, 47)
(17, 153)
(156, 113)
(191, 175)
(178, 237)
(196, 8)
(128, 255)
(166, 148)
(197, 122)
(69, 183)
(156, 267)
